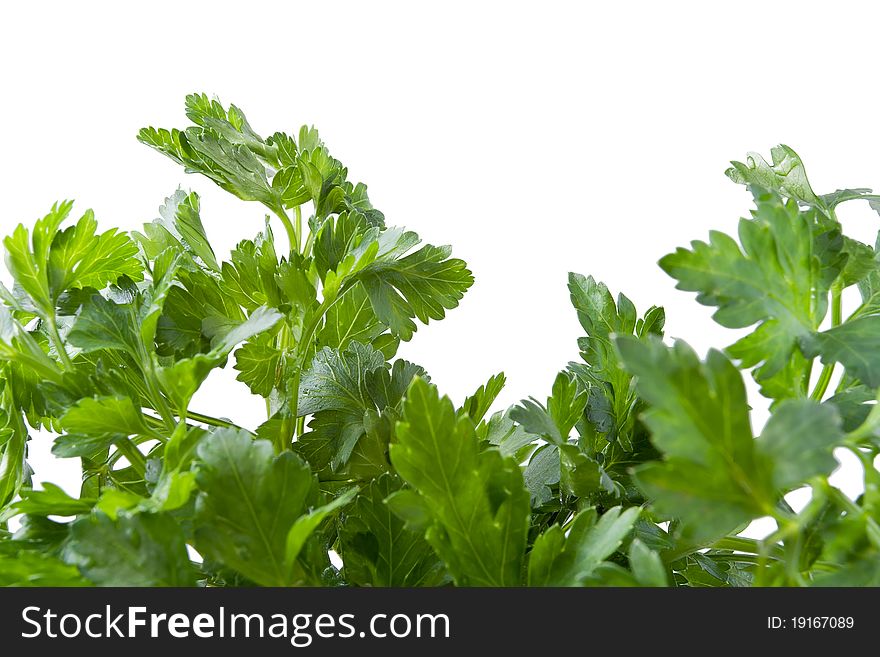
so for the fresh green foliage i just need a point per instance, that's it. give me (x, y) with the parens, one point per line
(471, 504)
(641, 468)
(715, 475)
(255, 510)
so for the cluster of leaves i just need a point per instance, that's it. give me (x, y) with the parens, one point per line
(640, 469)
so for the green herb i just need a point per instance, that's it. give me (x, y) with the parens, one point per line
(642, 467)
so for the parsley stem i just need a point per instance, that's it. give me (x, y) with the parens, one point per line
(298, 226)
(741, 544)
(736, 543)
(843, 501)
(55, 336)
(191, 415)
(822, 382)
(310, 239)
(282, 343)
(289, 227)
(828, 370)
(213, 421)
(160, 404)
(742, 558)
(133, 454)
(836, 306)
(288, 435)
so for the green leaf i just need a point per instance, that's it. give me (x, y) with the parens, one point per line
(869, 287)
(180, 226)
(181, 447)
(182, 379)
(369, 459)
(52, 500)
(535, 420)
(798, 440)
(713, 477)
(51, 261)
(400, 287)
(258, 366)
(351, 319)
(103, 324)
(195, 296)
(71, 445)
(172, 491)
(306, 525)
(646, 565)
(35, 534)
(611, 405)
(582, 475)
(561, 461)
(410, 507)
(294, 279)
(387, 387)
(231, 123)
(855, 344)
(232, 166)
(21, 347)
(421, 285)
(337, 380)
(79, 258)
(775, 281)
(250, 277)
(345, 244)
(104, 415)
(142, 549)
(114, 501)
(249, 501)
(784, 174)
(560, 560)
(339, 388)
(864, 572)
(477, 405)
(507, 435)
(275, 171)
(14, 470)
(27, 258)
(376, 546)
(31, 568)
(861, 262)
(478, 505)
(566, 403)
(853, 406)
(565, 406)
(226, 336)
(152, 301)
(542, 475)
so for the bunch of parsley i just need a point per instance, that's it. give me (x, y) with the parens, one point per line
(642, 467)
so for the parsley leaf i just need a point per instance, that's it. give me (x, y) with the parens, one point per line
(773, 278)
(475, 505)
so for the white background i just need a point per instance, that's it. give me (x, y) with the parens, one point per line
(536, 138)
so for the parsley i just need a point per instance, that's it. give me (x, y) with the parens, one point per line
(642, 467)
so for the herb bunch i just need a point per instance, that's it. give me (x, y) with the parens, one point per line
(640, 469)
